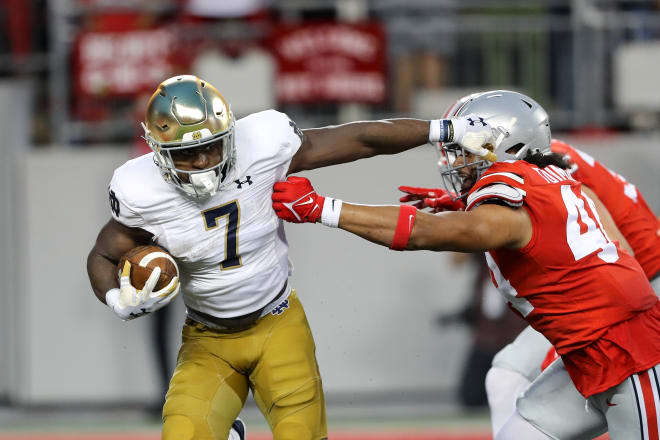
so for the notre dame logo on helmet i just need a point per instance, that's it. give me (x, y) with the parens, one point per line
(197, 135)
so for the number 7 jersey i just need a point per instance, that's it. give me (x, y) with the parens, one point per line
(230, 247)
(589, 298)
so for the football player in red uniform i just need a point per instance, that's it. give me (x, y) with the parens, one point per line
(520, 362)
(548, 246)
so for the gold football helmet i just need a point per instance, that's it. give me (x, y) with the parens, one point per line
(186, 113)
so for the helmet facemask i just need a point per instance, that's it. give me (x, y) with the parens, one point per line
(197, 183)
(448, 154)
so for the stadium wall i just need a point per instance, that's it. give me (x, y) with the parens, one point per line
(371, 309)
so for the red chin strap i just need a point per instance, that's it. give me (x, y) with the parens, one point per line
(404, 227)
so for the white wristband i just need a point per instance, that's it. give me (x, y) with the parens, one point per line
(440, 130)
(331, 212)
(435, 131)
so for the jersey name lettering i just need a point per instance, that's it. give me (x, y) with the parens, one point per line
(553, 174)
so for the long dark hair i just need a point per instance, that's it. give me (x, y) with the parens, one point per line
(542, 160)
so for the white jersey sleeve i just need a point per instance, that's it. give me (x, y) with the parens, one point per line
(277, 137)
(132, 188)
(121, 211)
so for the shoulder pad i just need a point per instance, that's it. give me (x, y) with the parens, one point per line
(504, 176)
(510, 195)
(508, 173)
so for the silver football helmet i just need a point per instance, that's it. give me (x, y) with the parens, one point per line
(520, 127)
(187, 113)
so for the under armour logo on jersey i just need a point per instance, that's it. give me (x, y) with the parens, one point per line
(247, 180)
(477, 121)
(114, 203)
(279, 309)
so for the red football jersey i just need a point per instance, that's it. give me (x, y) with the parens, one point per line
(571, 282)
(629, 210)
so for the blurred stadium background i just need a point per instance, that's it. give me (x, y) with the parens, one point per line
(402, 340)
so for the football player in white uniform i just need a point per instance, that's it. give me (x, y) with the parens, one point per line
(204, 194)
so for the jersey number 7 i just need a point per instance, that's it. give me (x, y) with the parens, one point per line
(232, 211)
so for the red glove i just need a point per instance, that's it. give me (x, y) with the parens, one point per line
(435, 198)
(296, 201)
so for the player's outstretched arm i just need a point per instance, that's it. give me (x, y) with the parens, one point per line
(113, 241)
(356, 140)
(484, 228)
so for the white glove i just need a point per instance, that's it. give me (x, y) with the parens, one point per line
(472, 133)
(129, 303)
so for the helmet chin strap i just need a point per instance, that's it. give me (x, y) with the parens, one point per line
(205, 183)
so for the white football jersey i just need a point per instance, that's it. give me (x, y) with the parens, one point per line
(231, 248)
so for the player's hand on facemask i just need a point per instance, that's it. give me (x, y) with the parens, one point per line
(435, 198)
(473, 133)
(296, 201)
(129, 303)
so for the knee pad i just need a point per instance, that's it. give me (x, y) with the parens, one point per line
(178, 427)
(502, 388)
(504, 383)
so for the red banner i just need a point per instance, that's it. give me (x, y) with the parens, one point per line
(122, 63)
(330, 62)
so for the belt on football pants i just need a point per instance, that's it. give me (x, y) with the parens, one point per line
(234, 324)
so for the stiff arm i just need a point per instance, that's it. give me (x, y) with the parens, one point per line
(338, 144)
(487, 227)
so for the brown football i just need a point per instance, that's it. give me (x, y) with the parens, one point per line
(143, 260)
